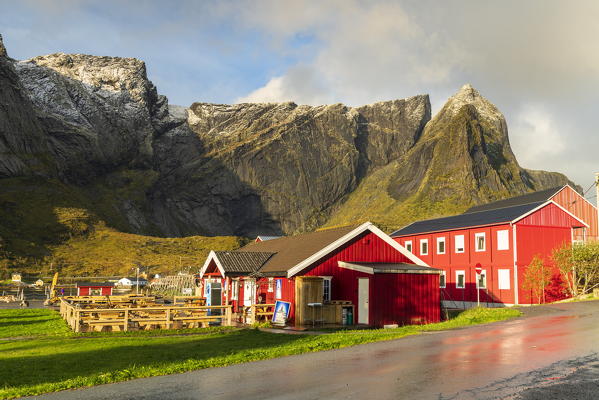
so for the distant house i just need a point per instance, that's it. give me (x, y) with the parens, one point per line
(360, 265)
(16, 277)
(129, 282)
(94, 289)
(501, 238)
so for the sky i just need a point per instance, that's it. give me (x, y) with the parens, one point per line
(536, 60)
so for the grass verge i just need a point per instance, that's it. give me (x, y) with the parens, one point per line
(53, 363)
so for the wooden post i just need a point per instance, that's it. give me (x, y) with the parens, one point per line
(77, 315)
(228, 313)
(126, 326)
(168, 318)
(252, 314)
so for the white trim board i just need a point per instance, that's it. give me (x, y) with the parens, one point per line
(212, 256)
(367, 226)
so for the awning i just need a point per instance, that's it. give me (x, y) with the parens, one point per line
(388, 268)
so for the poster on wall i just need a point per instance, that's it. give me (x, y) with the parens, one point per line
(279, 287)
(281, 312)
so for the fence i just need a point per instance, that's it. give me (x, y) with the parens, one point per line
(94, 317)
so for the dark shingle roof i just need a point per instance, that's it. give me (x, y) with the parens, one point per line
(542, 195)
(242, 261)
(291, 250)
(489, 217)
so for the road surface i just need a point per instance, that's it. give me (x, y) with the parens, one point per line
(550, 353)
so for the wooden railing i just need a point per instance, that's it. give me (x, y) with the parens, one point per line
(91, 317)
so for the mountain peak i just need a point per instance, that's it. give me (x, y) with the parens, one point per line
(468, 95)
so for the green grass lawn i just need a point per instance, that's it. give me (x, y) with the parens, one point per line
(63, 360)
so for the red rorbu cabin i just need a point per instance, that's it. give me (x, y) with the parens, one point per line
(359, 266)
(94, 289)
(501, 238)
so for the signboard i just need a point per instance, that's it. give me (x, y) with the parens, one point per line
(281, 312)
(279, 284)
(479, 268)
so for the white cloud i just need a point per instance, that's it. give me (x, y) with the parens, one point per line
(536, 137)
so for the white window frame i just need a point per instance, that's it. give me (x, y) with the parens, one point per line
(423, 241)
(502, 282)
(324, 294)
(455, 239)
(271, 285)
(408, 243)
(503, 237)
(442, 274)
(439, 241)
(476, 237)
(483, 273)
(234, 289)
(457, 280)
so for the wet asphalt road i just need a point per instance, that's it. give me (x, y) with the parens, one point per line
(549, 354)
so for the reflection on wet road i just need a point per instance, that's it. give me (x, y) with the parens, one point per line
(465, 363)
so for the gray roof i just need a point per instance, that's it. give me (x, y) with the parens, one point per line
(264, 237)
(242, 261)
(535, 197)
(481, 218)
(398, 268)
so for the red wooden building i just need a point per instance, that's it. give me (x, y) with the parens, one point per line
(94, 289)
(363, 265)
(502, 238)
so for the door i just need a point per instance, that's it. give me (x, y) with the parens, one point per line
(363, 294)
(249, 292)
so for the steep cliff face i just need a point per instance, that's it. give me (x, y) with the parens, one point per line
(88, 140)
(277, 167)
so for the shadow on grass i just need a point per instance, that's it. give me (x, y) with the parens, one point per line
(59, 361)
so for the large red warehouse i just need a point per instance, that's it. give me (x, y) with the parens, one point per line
(501, 238)
(360, 265)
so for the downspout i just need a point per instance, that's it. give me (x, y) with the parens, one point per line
(515, 250)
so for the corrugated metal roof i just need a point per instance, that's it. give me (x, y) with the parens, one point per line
(242, 261)
(489, 217)
(265, 238)
(291, 250)
(542, 195)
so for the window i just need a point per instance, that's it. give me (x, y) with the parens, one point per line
(460, 279)
(408, 245)
(479, 240)
(442, 282)
(326, 288)
(441, 245)
(459, 243)
(271, 285)
(481, 281)
(504, 279)
(95, 292)
(424, 247)
(278, 289)
(503, 240)
(234, 289)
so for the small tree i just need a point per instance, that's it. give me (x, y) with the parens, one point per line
(579, 266)
(562, 257)
(536, 278)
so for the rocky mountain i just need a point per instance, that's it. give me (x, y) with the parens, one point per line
(88, 141)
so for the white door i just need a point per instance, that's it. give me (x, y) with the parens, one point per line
(249, 289)
(363, 286)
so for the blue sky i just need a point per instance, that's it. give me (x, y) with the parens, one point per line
(538, 61)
